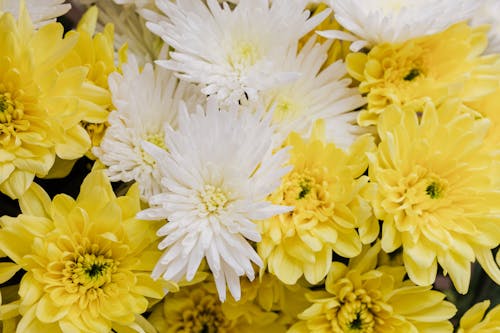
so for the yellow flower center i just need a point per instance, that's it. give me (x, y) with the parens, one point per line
(355, 317)
(157, 139)
(212, 199)
(412, 74)
(391, 6)
(434, 190)
(9, 109)
(286, 108)
(357, 311)
(302, 187)
(243, 55)
(405, 67)
(89, 271)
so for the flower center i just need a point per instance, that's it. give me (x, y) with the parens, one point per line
(392, 6)
(412, 74)
(415, 193)
(305, 188)
(434, 190)
(89, 271)
(286, 108)
(243, 55)
(9, 109)
(355, 317)
(301, 186)
(355, 313)
(157, 139)
(212, 199)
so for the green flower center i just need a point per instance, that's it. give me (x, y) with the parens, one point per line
(434, 190)
(355, 317)
(305, 188)
(90, 271)
(357, 323)
(301, 186)
(358, 309)
(412, 74)
(96, 270)
(4, 103)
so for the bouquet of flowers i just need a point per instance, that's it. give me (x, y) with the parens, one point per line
(250, 166)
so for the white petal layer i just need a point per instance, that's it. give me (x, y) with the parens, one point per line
(218, 169)
(394, 21)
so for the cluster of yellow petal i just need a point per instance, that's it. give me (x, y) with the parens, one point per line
(474, 321)
(197, 308)
(440, 66)
(41, 105)
(96, 52)
(364, 297)
(435, 194)
(88, 261)
(326, 189)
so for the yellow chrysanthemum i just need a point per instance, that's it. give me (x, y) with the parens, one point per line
(325, 188)
(96, 52)
(339, 48)
(435, 194)
(474, 321)
(197, 308)
(364, 298)
(88, 261)
(437, 67)
(41, 106)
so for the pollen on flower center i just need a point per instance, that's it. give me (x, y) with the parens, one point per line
(212, 199)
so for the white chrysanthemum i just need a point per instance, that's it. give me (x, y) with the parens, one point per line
(145, 101)
(373, 22)
(317, 94)
(489, 13)
(41, 11)
(218, 170)
(231, 52)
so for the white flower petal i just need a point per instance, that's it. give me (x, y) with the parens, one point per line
(213, 191)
